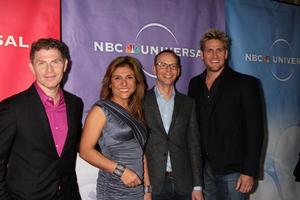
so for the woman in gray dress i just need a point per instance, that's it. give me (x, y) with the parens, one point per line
(116, 124)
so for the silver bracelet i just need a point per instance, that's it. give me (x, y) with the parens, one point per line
(148, 189)
(119, 170)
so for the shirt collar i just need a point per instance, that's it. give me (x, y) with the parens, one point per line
(158, 94)
(203, 75)
(45, 98)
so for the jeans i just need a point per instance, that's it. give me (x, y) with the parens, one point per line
(168, 192)
(221, 187)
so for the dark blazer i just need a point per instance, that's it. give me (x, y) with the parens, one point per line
(30, 167)
(182, 142)
(234, 140)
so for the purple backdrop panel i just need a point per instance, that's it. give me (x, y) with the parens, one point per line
(98, 31)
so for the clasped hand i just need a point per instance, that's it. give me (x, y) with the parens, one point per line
(130, 178)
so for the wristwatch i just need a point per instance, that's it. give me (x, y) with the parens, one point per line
(148, 189)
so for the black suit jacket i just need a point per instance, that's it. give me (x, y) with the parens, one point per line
(182, 142)
(234, 139)
(30, 167)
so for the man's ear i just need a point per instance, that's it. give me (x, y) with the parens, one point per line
(66, 65)
(178, 71)
(154, 69)
(31, 68)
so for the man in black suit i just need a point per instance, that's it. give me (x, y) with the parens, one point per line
(173, 148)
(39, 132)
(229, 112)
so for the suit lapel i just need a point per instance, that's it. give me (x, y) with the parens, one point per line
(42, 122)
(156, 112)
(70, 114)
(176, 109)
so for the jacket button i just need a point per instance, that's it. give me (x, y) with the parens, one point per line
(165, 154)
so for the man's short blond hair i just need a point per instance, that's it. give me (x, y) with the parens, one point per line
(217, 35)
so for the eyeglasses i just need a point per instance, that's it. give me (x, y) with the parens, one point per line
(163, 65)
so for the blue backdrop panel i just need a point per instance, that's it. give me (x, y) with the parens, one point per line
(266, 44)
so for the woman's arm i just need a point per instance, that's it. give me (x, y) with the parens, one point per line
(147, 185)
(92, 131)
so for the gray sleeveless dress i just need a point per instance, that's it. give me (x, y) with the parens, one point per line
(118, 143)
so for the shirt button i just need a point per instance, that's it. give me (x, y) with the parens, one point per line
(56, 128)
(56, 146)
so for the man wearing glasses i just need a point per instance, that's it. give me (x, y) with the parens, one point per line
(173, 148)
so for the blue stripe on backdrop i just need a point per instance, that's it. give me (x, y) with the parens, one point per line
(266, 44)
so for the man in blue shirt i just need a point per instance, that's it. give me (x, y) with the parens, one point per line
(173, 148)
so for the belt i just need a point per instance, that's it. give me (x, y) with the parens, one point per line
(169, 174)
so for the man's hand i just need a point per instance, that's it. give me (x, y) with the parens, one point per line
(197, 195)
(245, 183)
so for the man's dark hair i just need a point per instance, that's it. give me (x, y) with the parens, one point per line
(49, 43)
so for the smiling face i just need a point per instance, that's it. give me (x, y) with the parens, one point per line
(123, 84)
(48, 66)
(214, 55)
(166, 69)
